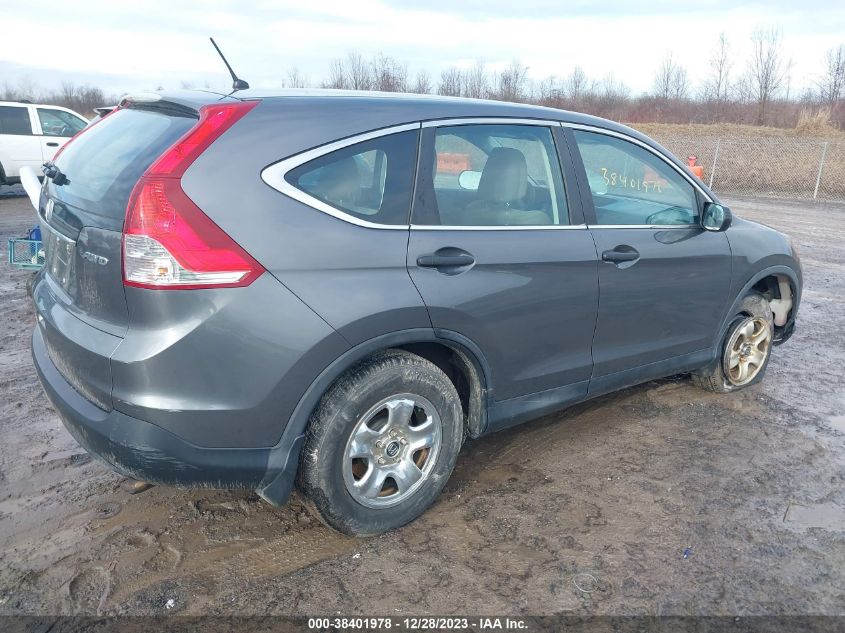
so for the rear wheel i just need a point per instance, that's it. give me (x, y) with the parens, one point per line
(381, 444)
(746, 349)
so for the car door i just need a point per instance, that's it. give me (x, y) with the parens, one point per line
(56, 127)
(19, 147)
(500, 255)
(663, 279)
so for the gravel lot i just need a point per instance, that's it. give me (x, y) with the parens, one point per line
(585, 512)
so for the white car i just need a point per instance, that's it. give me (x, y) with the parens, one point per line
(31, 134)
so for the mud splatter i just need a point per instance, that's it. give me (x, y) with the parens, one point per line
(609, 493)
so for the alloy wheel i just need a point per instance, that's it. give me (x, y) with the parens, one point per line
(392, 450)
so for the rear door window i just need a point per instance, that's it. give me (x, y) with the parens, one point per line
(496, 175)
(104, 163)
(14, 120)
(371, 180)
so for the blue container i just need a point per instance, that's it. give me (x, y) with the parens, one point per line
(34, 234)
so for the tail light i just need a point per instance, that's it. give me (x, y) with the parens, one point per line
(168, 242)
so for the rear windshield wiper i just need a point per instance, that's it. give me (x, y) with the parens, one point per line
(54, 173)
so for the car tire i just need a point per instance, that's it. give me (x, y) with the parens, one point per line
(745, 350)
(394, 418)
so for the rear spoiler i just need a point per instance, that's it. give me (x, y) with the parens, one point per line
(185, 100)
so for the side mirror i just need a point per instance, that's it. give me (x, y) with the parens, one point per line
(715, 217)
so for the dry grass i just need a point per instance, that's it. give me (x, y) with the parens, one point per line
(809, 126)
(817, 124)
(762, 161)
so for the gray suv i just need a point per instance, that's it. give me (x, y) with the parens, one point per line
(331, 291)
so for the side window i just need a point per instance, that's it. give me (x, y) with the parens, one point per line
(495, 175)
(632, 186)
(371, 180)
(59, 122)
(14, 120)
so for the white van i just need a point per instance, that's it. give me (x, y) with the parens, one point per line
(31, 134)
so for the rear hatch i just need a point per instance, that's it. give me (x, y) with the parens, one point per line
(81, 302)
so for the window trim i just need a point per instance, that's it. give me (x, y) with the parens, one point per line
(547, 123)
(658, 154)
(489, 121)
(275, 175)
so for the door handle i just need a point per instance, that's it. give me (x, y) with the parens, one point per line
(621, 255)
(52, 144)
(450, 261)
(444, 261)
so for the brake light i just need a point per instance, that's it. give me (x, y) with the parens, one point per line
(168, 242)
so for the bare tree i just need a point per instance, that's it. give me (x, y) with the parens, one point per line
(8, 93)
(577, 84)
(388, 74)
(671, 80)
(357, 72)
(476, 84)
(81, 98)
(680, 84)
(612, 92)
(788, 77)
(512, 82)
(422, 83)
(663, 79)
(765, 72)
(832, 83)
(450, 82)
(717, 86)
(549, 90)
(337, 75)
(295, 79)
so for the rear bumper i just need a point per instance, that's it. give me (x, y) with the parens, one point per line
(142, 450)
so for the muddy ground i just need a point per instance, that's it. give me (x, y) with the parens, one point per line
(586, 512)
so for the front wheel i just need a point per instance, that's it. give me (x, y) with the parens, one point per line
(381, 444)
(746, 349)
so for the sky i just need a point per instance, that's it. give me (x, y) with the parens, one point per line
(125, 47)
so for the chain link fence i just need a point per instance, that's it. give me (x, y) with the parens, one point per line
(799, 169)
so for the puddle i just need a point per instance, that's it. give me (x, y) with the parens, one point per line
(829, 516)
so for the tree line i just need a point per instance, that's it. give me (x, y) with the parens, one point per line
(758, 92)
(753, 91)
(79, 98)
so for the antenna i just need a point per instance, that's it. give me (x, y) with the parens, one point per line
(237, 84)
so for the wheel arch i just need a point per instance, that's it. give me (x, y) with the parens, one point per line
(763, 279)
(455, 354)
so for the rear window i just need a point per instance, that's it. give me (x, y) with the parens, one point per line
(103, 165)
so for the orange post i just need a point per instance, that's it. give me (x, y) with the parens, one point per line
(698, 170)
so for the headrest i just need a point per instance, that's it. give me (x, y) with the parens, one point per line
(504, 177)
(340, 182)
